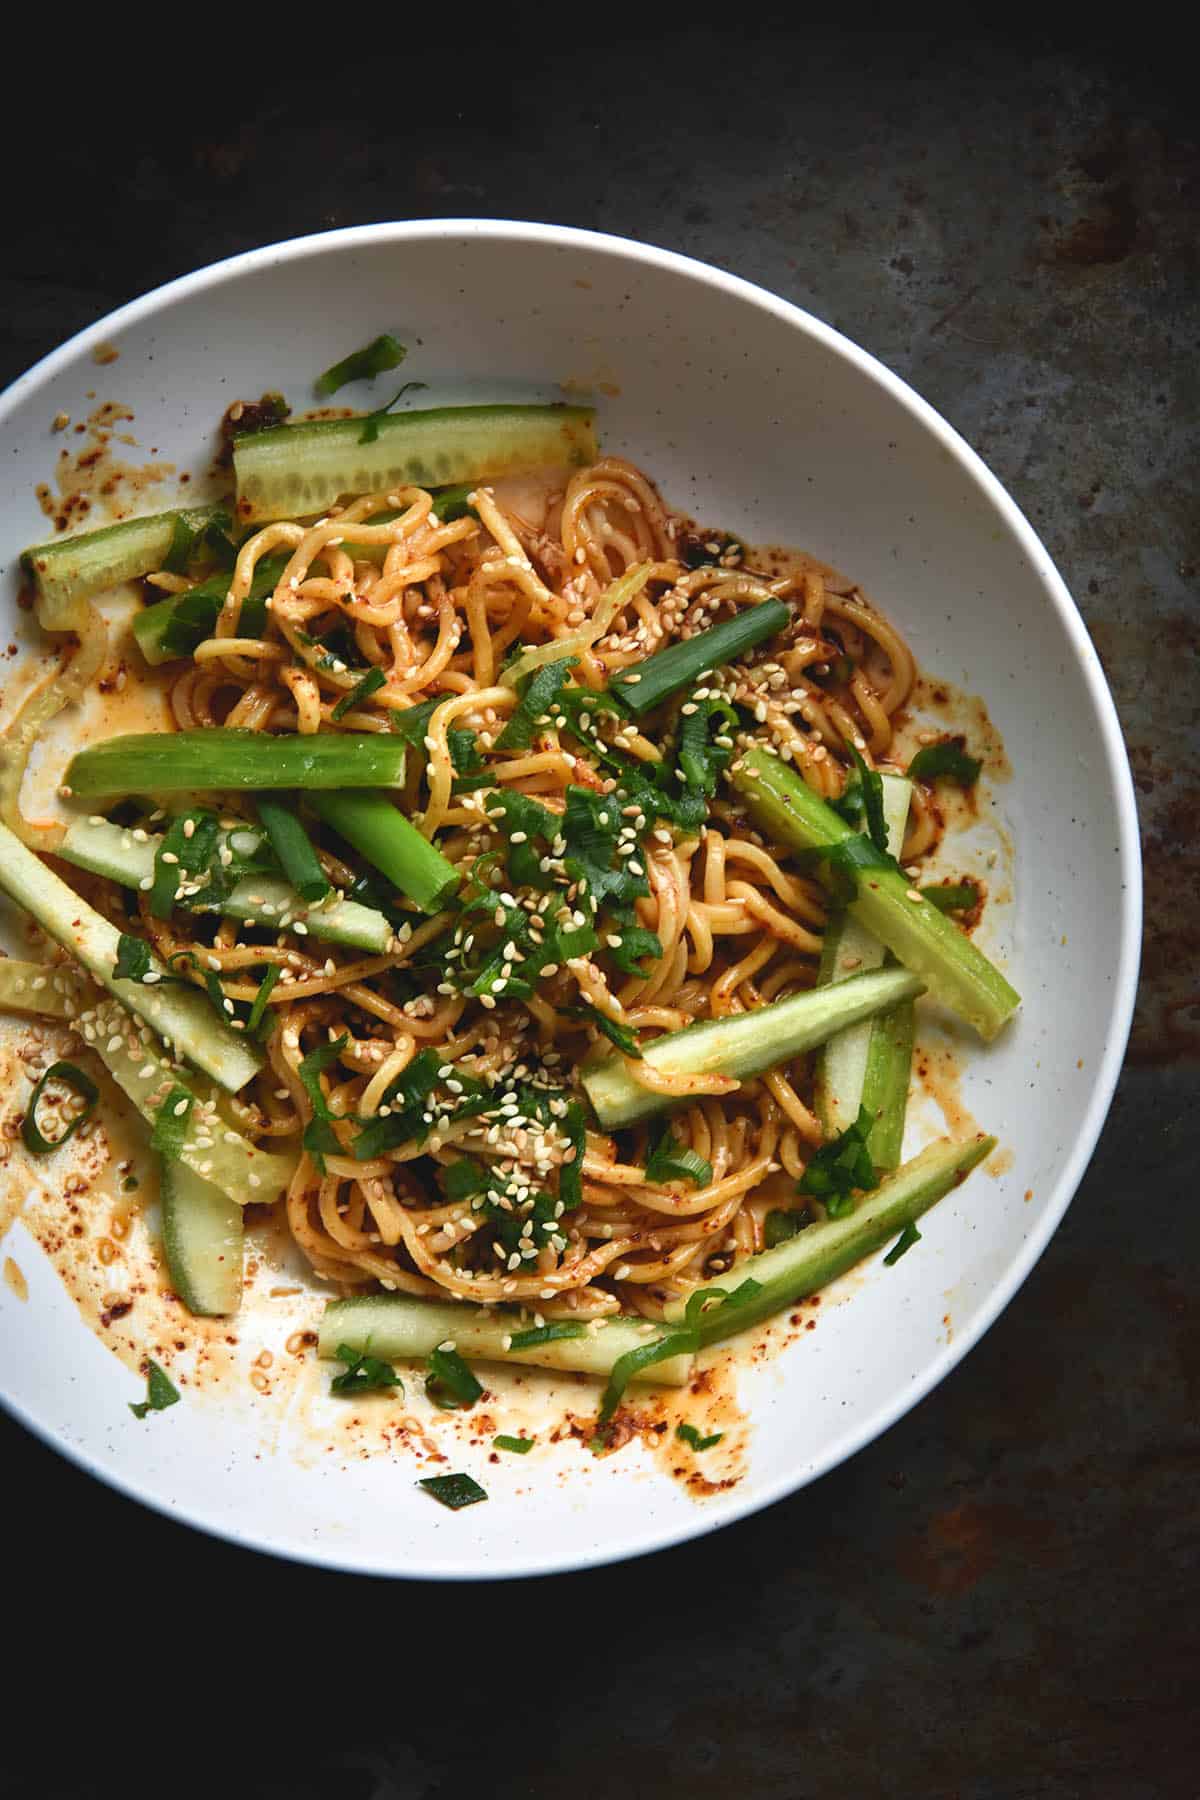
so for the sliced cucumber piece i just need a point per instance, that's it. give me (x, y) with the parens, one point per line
(75, 568)
(957, 973)
(202, 1236)
(172, 628)
(397, 1329)
(48, 990)
(293, 471)
(867, 1064)
(820, 1253)
(211, 1147)
(115, 853)
(181, 1016)
(742, 1045)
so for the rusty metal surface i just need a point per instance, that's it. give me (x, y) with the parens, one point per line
(1000, 1598)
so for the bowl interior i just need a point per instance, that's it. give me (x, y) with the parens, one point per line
(751, 416)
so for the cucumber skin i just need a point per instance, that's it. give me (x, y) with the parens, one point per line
(109, 851)
(397, 1329)
(77, 567)
(759, 1042)
(202, 1234)
(885, 1087)
(956, 972)
(869, 1064)
(229, 1160)
(822, 1252)
(151, 624)
(294, 471)
(182, 1016)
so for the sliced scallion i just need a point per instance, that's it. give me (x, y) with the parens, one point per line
(376, 358)
(646, 684)
(371, 683)
(70, 1076)
(220, 758)
(379, 831)
(294, 848)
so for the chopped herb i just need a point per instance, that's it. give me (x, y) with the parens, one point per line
(622, 1036)
(257, 1016)
(450, 1383)
(371, 682)
(908, 1237)
(703, 549)
(842, 1167)
(669, 1161)
(320, 1139)
(313, 1066)
(412, 722)
(71, 1077)
(161, 1392)
(382, 353)
(590, 825)
(708, 1299)
(186, 852)
(370, 430)
(217, 541)
(952, 896)
(190, 618)
(946, 761)
(520, 1446)
(171, 1123)
(363, 1374)
(454, 502)
(179, 550)
(453, 1490)
(537, 698)
(635, 946)
(864, 795)
(547, 1334)
(780, 1225)
(407, 1097)
(133, 958)
(700, 759)
(690, 1435)
(674, 1343)
(465, 756)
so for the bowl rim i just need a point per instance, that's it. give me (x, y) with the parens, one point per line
(1116, 767)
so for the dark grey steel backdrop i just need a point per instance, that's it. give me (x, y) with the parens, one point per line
(999, 1599)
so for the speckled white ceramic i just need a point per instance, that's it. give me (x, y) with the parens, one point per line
(756, 416)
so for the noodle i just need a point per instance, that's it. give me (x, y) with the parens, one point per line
(437, 609)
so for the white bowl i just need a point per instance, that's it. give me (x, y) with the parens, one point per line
(755, 416)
